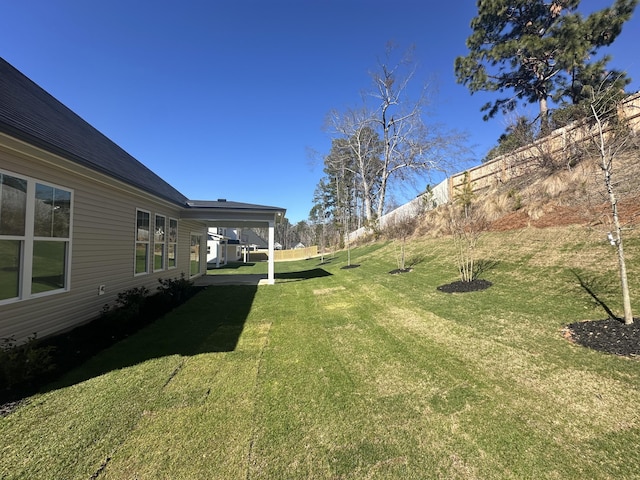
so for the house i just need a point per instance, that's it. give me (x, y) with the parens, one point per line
(81, 220)
(224, 246)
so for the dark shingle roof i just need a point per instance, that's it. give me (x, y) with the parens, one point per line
(30, 114)
(230, 205)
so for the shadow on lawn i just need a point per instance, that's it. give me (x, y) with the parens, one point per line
(590, 285)
(211, 321)
(303, 274)
(229, 266)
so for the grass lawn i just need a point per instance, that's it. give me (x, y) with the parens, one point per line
(357, 374)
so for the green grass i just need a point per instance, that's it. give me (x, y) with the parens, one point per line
(356, 374)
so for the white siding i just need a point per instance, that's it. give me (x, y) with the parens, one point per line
(102, 245)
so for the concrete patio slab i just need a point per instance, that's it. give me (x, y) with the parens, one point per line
(241, 279)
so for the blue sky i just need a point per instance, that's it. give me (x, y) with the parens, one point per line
(226, 99)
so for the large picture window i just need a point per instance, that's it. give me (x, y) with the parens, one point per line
(143, 224)
(35, 237)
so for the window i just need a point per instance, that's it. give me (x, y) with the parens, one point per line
(172, 246)
(51, 226)
(142, 242)
(159, 236)
(35, 237)
(196, 241)
(13, 208)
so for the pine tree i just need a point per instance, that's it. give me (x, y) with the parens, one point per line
(532, 47)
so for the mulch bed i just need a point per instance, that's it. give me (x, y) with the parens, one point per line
(398, 271)
(463, 287)
(609, 336)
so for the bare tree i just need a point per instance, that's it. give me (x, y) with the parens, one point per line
(410, 146)
(391, 141)
(612, 139)
(357, 155)
(467, 224)
(400, 228)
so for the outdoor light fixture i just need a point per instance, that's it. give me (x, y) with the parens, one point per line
(611, 239)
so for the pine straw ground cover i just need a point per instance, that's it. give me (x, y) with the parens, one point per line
(357, 374)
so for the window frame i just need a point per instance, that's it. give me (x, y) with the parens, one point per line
(28, 242)
(172, 244)
(146, 243)
(162, 243)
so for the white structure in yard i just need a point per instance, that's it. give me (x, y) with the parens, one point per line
(223, 246)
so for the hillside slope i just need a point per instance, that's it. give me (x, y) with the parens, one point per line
(575, 196)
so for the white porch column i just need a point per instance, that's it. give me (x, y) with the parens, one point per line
(271, 275)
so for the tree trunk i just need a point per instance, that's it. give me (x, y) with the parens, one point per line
(544, 116)
(626, 299)
(381, 197)
(607, 165)
(624, 283)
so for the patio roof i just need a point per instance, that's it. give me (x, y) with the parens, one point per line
(223, 213)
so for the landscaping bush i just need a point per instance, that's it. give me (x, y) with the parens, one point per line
(175, 290)
(21, 364)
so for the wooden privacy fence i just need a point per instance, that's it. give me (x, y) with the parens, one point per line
(295, 254)
(558, 145)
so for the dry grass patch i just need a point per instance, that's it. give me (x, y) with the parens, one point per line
(326, 291)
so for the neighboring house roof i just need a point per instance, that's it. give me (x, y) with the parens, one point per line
(30, 114)
(250, 237)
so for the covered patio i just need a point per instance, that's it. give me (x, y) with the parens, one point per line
(223, 213)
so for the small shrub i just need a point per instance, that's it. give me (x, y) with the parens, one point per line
(132, 299)
(517, 199)
(128, 305)
(176, 290)
(20, 364)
